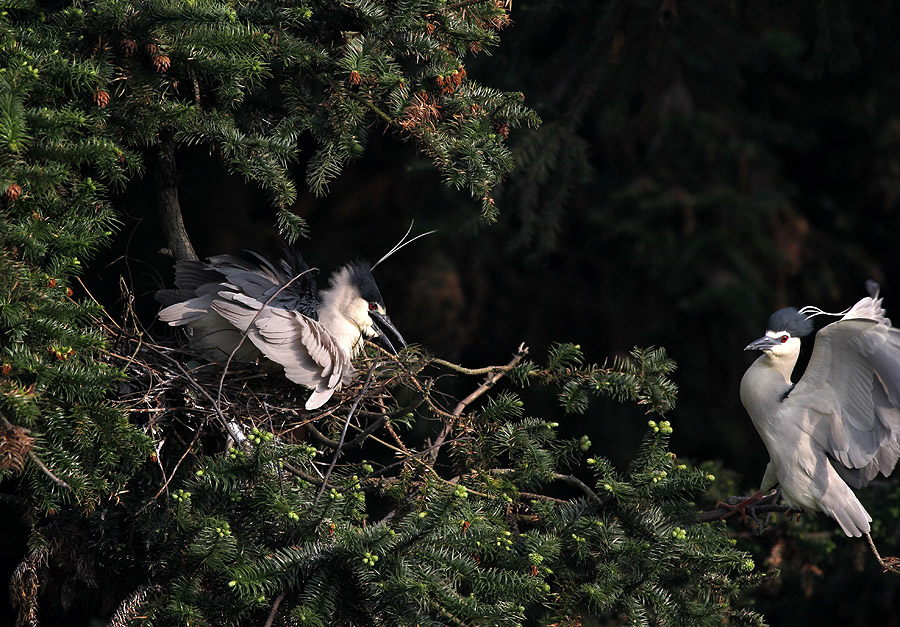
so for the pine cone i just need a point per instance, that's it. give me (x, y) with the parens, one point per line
(162, 62)
(101, 98)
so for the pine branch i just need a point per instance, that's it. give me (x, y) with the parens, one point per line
(47, 471)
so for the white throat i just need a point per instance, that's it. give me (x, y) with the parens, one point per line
(344, 314)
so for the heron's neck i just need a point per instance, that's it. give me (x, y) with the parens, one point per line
(782, 364)
(344, 316)
(765, 385)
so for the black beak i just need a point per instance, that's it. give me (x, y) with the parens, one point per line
(762, 344)
(382, 323)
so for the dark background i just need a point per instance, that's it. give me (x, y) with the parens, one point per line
(699, 166)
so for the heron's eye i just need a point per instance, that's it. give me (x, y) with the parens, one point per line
(373, 306)
(784, 338)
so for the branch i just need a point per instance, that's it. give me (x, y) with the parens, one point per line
(484, 387)
(303, 475)
(47, 471)
(766, 505)
(578, 483)
(464, 370)
(232, 427)
(380, 419)
(340, 444)
(464, 4)
(274, 610)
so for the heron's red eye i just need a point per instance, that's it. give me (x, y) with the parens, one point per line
(784, 338)
(373, 306)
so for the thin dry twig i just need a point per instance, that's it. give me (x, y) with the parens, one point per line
(337, 451)
(488, 383)
(274, 610)
(47, 471)
(174, 470)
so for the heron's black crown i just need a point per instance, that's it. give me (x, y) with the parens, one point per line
(362, 279)
(791, 320)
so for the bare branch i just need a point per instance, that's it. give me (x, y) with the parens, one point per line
(489, 382)
(340, 443)
(48, 472)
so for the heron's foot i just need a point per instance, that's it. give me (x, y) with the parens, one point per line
(739, 507)
(758, 503)
(889, 564)
(794, 511)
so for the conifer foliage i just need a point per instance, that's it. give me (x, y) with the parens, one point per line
(162, 493)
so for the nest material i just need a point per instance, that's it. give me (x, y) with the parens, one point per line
(165, 383)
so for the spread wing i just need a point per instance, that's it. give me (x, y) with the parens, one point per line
(288, 285)
(849, 396)
(211, 335)
(302, 346)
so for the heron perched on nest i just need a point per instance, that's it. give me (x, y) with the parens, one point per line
(313, 335)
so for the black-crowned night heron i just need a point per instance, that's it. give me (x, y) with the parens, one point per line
(313, 335)
(839, 425)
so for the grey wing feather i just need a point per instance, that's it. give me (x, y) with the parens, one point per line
(849, 396)
(191, 276)
(211, 334)
(275, 304)
(290, 285)
(306, 351)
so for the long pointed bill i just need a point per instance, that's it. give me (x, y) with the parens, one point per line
(383, 323)
(762, 344)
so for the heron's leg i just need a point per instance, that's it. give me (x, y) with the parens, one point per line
(889, 564)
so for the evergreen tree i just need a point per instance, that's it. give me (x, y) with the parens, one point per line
(395, 505)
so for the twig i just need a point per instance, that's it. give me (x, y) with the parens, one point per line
(337, 451)
(489, 382)
(761, 507)
(303, 475)
(371, 105)
(275, 605)
(174, 470)
(464, 4)
(464, 370)
(47, 471)
(411, 457)
(541, 497)
(324, 440)
(578, 483)
(230, 426)
(380, 419)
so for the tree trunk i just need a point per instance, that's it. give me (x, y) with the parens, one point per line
(167, 198)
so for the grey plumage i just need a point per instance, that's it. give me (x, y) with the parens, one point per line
(839, 426)
(312, 335)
